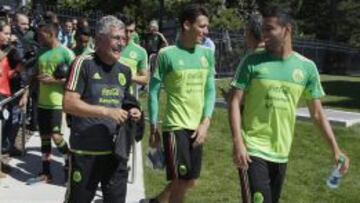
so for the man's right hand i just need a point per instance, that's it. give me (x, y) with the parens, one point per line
(345, 166)
(154, 139)
(118, 115)
(240, 156)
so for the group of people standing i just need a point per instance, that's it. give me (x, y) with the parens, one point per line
(267, 86)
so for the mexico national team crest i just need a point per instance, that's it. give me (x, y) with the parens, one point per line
(121, 79)
(298, 75)
(204, 62)
(133, 55)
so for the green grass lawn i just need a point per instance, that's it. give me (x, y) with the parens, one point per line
(310, 160)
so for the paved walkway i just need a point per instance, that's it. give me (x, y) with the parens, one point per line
(14, 190)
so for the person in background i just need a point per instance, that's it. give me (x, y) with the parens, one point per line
(154, 40)
(6, 73)
(253, 41)
(51, 90)
(253, 33)
(17, 57)
(74, 22)
(207, 42)
(66, 35)
(82, 42)
(134, 56)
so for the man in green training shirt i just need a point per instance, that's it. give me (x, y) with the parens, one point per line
(51, 90)
(83, 42)
(186, 71)
(134, 56)
(135, 37)
(273, 81)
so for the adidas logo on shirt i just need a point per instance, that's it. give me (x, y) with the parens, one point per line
(56, 128)
(96, 76)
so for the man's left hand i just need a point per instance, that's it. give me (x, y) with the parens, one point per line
(200, 133)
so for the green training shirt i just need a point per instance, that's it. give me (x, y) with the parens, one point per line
(135, 57)
(135, 37)
(51, 95)
(83, 51)
(188, 79)
(273, 88)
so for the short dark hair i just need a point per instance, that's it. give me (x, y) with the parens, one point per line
(254, 25)
(51, 17)
(127, 20)
(191, 12)
(83, 31)
(49, 28)
(282, 14)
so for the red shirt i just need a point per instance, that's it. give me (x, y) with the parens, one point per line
(5, 75)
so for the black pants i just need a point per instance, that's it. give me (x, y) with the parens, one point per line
(33, 111)
(87, 171)
(11, 126)
(266, 179)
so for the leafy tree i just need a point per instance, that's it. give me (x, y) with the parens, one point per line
(335, 20)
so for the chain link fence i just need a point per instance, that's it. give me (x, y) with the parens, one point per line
(330, 57)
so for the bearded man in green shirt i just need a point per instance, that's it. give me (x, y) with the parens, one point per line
(273, 81)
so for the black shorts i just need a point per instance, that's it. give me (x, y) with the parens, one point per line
(87, 171)
(182, 160)
(266, 179)
(50, 121)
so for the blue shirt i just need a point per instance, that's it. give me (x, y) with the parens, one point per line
(209, 43)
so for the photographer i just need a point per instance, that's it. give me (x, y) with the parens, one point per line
(25, 54)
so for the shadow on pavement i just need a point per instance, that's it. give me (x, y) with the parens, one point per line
(29, 166)
(341, 88)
